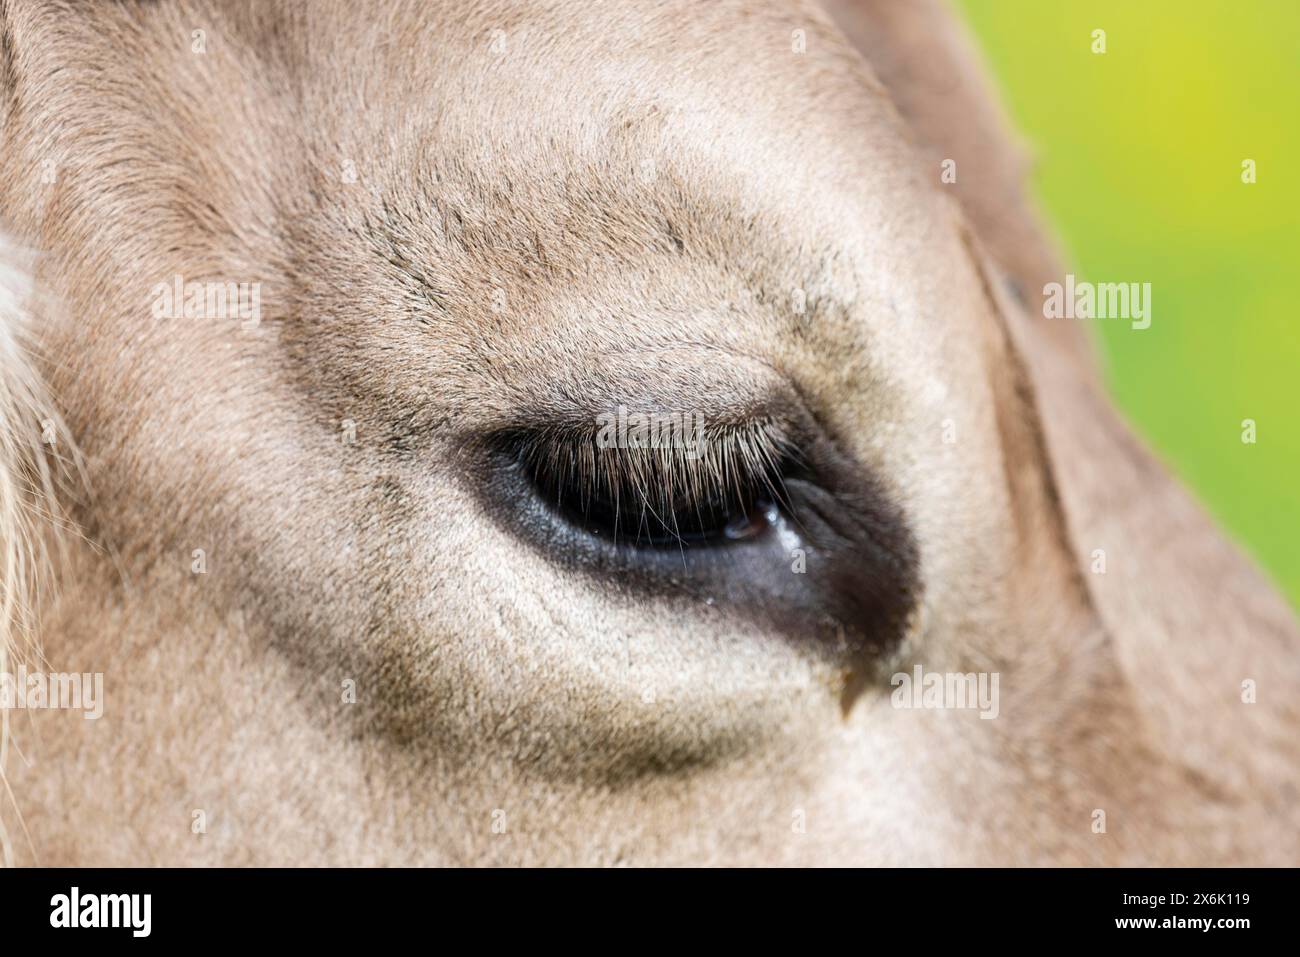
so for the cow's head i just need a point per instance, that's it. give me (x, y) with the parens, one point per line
(531, 432)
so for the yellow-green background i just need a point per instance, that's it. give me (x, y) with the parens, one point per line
(1139, 157)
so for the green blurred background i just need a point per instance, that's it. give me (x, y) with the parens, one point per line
(1140, 154)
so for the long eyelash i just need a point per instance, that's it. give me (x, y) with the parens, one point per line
(735, 464)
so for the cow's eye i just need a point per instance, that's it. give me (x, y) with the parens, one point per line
(655, 515)
(702, 490)
(735, 521)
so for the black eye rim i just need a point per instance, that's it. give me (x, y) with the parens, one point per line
(862, 574)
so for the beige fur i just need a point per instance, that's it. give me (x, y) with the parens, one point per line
(31, 514)
(556, 208)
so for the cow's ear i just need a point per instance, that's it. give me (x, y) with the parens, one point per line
(923, 55)
(1047, 551)
(1173, 597)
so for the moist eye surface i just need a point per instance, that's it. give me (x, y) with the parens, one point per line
(702, 487)
(766, 520)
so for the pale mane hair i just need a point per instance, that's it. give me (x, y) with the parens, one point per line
(29, 473)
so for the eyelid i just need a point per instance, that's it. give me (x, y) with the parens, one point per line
(669, 495)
